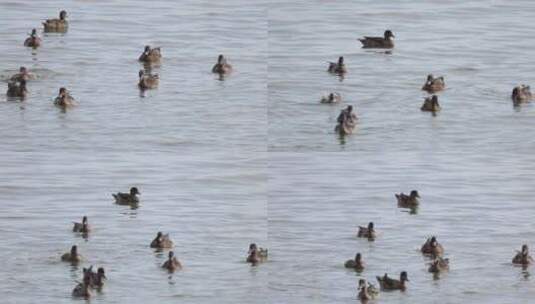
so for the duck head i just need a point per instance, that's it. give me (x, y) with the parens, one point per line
(147, 50)
(23, 70)
(525, 250)
(362, 283)
(370, 226)
(433, 242)
(101, 273)
(358, 257)
(171, 255)
(414, 194)
(341, 60)
(220, 59)
(62, 15)
(253, 248)
(331, 97)
(389, 35)
(62, 92)
(403, 277)
(84, 220)
(74, 250)
(34, 33)
(134, 191)
(349, 109)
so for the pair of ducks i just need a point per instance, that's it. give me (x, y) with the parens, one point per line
(368, 291)
(16, 85)
(57, 25)
(346, 121)
(91, 279)
(162, 241)
(256, 254)
(431, 86)
(146, 79)
(434, 249)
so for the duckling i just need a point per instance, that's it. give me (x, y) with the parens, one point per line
(367, 232)
(64, 99)
(72, 256)
(337, 68)
(150, 55)
(17, 89)
(256, 255)
(367, 291)
(222, 67)
(172, 263)
(347, 120)
(433, 84)
(408, 201)
(331, 98)
(387, 283)
(521, 94)
(97, 278)
(57, 25)
(439, 265)
(33, 41)
(148, 81)
(386, 42)
(82, 227)
(522, 257)
(356, 264)
(127, 198)
(23, 74)
(82, 289)
(431, 104)
(161, 241)
(432, 247)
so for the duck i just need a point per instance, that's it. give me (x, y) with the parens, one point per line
(161, 241)
(368, 232)
(439, 265)
(385, 42)
(222, 67)
(356, 264)
(387, 283)
(82, 289)
(23, 74)
(408, 201)
(432, 247)
(431, 104)
(33, 41)
(57, 25)
(433, 84)
(256, 255)
(17, 89)
(97, 278)
(82, 227)
(72, 256)
(150, 55)
(337, 67)
(127, 198)
(64, 99)
(521, 94)
(172, 263)
(346, 121)
(148, 81)
(331, 98)
(367, 291)
(522, 257)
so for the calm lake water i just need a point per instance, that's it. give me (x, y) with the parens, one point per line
(254, 158)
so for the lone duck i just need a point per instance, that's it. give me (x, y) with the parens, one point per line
(522, 257)
(72, 256)
(23, 74)
(367, 291)
(356, 264)
(347, 120)
(387, 283)
(433, 84)
(432, 247)
(521, 94)
(82, 289)
(17, 89)
(82, 227)
(150, 55)
(439, 265)
(148, 81)
(408, 201)
(337, 68)
(256, 255)
(172, 263)
(222, 67)
(97, 278)
(127, 198)
(431, 104)
(33, 41)
(368, 232)
(331, 98)
(64, 99)
(386, 42)
(57, 25)
(161, 241)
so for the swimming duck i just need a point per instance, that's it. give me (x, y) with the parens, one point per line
(82, 227)
(432, 247)
(57, 25)
(408, 201)
(150, 55)
(172, 263)
(337, 68)
(33, 41)
(82, 289)
(23, 74)
(367, 291)
(127, 198)
(522, 257)
(439, 265)
(386, 42)
(356, 264)
(148, 81)
(256, 255)
(431, 104)
(521, 94)
(433, 84)
(72, 256)
(222, 67)
(64, 99)
(17, 89)
(97, 278)
(347, 120)
(161, 241)
(368, 232)
(393, 284)
(331, 98)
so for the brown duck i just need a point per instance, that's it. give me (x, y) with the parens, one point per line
(356, 264)
(521, 94)
(337, 67)
(367, 232)
(33, 41)
(431, 104)
(57, 25)
(385, 42)
(408, 201)
(387, 283)
(433, 84)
